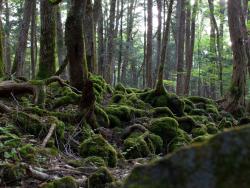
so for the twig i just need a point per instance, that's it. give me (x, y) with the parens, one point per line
(51, 130)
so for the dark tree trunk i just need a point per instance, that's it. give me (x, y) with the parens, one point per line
(47, 64)
(22, 39)
(7, 39)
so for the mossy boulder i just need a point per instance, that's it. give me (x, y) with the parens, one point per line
(166, 128)
(100, 178)
(198, 99)
(199, 131)
(94, 161)
(212, 164)
(186, 123)
(65, 182)
(224, 123)
(162, 112)
(96, 145)
(140, 145)
(189, 106)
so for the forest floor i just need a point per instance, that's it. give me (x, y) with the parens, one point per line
(46, 142)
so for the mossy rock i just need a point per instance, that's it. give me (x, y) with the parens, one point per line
(10, 174)
(197, 99)
(203, 138)
(199, 119)
(186, 123)
(166, 128)
(114, 121)
(200, 106)
(100, 179)
(224, 123)
(96, 145)
(199, 131)
(162, 112)
(189, 106)
(101, 116)
(212, 128)
(94, 161)
(121, 88)
(198, 112)
(156, 142)
(65, 182)
(117, 98)
(211, 164)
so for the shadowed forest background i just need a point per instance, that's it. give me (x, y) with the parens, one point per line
(122, 93)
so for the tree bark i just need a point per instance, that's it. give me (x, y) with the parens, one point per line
(19, 59)
(7, 39)
(47, 64)
(149, 81)
(180, 45)
(236, 95)
(33, 41)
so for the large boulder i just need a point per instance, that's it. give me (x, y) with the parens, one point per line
(221, 162)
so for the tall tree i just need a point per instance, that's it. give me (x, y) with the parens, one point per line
(159, 86)
(7, 38)
(236, 96)
(149, 45)
(1, 43)
(190, 46)
(22, 39)
(47, 61)
(110, 43)
(33, 42)
(180, 31)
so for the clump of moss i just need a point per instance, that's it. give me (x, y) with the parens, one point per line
(114, 121)
(189, 106)
(94, 161)
(10, 174)
(203, 138)
(65, 182)
(101, 116)
(100, 178)
(166, 128)
(199, 132)
(197, 99)
(96, 145)
(199, 112)
(212, 128)
(162, 112)
(186, 123)
(28, 152)
(224, 123)
(121, 88)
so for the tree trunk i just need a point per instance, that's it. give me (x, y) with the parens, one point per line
(236, 96)
(47, 64)
(33, 41)
(78, 69)
(7, 39)
(22, 39)
(101, 47)
(149, 45)
(110, 41)
(160, 87)
(180, 45)
(190, 50)
(60, 40)
(1, 43)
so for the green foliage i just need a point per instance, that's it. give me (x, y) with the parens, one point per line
(65, 182)
(96, 145)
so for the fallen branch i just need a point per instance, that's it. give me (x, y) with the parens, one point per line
(51, 130)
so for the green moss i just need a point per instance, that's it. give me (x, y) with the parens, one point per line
(114, 121)
(122, 112)
(65, 182)
(101, 116)
(28, 152)
(100, 178)
(212, 129)
(71, 98)
(121, 88)
(199, 112)
(189, 106)
(202, 139)
(96, 145)
(199, 119)
(166, 128)
(197, 99)
(199, 132)
(10, 174)
(224, 123)
(162, 112)
(155, 140)
(177, 143)
(186, 123)
(94, 161)
(118, 98)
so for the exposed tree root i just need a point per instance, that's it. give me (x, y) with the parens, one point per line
(51, 130)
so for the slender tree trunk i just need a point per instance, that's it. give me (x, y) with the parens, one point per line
(144, 47)
(33, 41)
(236, 96)
(159, 36)
(60, 40)
(47, 64)
(160, 87)
(149, 80)
(121, 43)
(190, 50)
(1, 43)
(7, 39)
(101, 47)
(180, 45)
(110, 47)
(22, 39)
